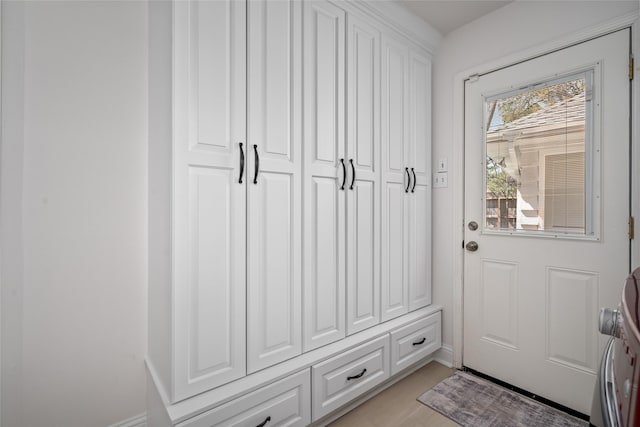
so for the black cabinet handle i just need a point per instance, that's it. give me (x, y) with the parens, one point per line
(255, 175)
(241, 163)
(406, 190)
(264, 423)
(420, 342)
(344, 174)
(353, 174)
(414, 180)
(355, 377)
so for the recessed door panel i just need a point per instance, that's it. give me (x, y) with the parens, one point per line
(324, 313)
(394, 294)
(211, 37)
(570, 340)
(499, 302)
(395, 104)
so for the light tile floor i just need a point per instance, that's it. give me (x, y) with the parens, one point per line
(397, 406)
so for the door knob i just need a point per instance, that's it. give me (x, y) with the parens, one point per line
(471, 246)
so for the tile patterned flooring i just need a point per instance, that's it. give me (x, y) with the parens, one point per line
(397, 405)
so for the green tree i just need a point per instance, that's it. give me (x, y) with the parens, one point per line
(500, 183)
(530, 101)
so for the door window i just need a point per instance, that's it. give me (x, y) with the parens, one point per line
(538, 156)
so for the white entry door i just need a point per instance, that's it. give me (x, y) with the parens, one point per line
(546, 216)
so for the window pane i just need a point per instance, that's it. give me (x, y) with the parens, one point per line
(535, 159)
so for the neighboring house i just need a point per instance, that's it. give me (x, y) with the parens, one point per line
(544, 152)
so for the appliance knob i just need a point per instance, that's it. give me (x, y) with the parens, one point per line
(609, 323)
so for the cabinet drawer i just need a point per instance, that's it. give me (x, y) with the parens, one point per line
(342, 378)
(284, 403)
(414, 341)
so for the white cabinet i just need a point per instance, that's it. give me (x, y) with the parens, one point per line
(289, 204)
(324, 174)
(274, 182)
(342, 190)
(363, 185)
(406, 170)
(233, 158)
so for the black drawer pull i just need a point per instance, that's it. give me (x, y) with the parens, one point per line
(264, 423)
(257, 165)
(406, 190)
(355, 377)
(414, 180)
(353, 174)
(344, 174)
(241, 163)
(420, 342)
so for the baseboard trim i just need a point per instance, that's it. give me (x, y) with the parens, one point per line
(137, 421)
(444, 356)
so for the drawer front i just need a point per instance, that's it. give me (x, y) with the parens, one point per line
(342, 378)
(284, 403)
(415, 341)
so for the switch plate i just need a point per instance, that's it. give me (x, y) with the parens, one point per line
(443, 165)
(441, 180)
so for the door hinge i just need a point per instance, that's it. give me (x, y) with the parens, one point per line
(630, 67)
(631, 228)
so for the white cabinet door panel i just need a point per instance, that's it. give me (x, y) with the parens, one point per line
(420, 247)
(209, 231)
(324, 201)
(363, 195)
(363, 292)
(394, 292)
(420, 193)
(274, 211)
(395, 177)
(324, 309)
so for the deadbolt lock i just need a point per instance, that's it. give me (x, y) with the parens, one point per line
(473, 226)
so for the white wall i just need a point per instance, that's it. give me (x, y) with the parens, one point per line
(519, 26)
(79, 317)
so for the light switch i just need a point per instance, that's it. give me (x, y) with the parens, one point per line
(440, 180)
(442, 165)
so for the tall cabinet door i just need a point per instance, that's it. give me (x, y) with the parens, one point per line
(274, 169)
(395, 177)
(363, 194)
(420, 192)
(209, 224)
(324, 174)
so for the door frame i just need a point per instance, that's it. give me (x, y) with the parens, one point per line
(456, 178)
